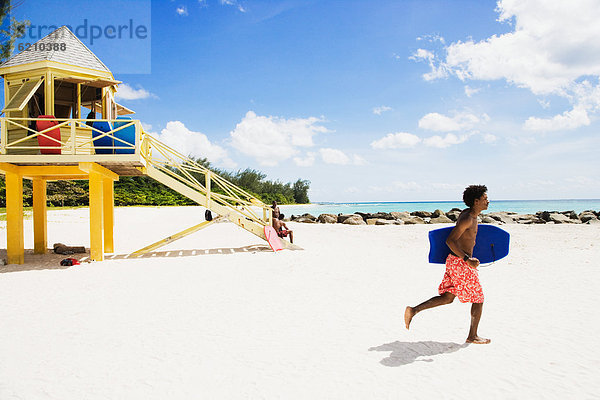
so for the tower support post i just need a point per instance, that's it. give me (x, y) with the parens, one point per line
(96, 216)
(40, 218)
(109, 214)
(15, 250)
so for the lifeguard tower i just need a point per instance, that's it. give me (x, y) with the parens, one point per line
(44, 137)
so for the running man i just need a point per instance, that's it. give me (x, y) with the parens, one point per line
(461, 279)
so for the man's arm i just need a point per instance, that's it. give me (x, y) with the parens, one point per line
(452, 241)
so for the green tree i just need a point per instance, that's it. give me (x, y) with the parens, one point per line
(250, 179)
(142, 190)
(10, 30)
(66, 193)
(254, 182)
(301, 191)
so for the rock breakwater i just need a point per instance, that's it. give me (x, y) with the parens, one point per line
(440, 217)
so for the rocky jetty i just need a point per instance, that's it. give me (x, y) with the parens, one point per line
(441, 217)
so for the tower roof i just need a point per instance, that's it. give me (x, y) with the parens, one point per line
(76, 53)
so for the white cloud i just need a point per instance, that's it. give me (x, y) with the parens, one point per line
(544, 103)
(126, 92)
(432, 38)
(422, 55)
(489, 138)
(271, 140)
(179, 137)
(147, 127)
(442, 123)
(338, 157)
(552, 45)
(334, 156)
(307, 161)
(182, 10)
(588, 95)
(573, 119)
(400, 140)
(233, 3)
(358, 160)
(469, 91)
(437, 71)
(446, 141)
(381, 109)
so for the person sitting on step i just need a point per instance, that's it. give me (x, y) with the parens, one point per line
(282, 229)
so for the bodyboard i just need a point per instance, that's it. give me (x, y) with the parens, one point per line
(126, 134)
(491, 244)
(273, 239)
(53, 133)
(106, 141)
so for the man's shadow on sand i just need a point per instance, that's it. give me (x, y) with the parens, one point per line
(408, 352)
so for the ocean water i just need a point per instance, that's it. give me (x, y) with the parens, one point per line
(518, 206)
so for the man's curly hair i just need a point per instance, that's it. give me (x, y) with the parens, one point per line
(473, 192)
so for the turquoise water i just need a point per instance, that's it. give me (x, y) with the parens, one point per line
(518, 206)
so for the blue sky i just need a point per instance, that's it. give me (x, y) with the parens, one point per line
(369, 100)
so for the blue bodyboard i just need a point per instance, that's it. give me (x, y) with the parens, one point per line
(491, 244)
(106, 141)
(126, 134)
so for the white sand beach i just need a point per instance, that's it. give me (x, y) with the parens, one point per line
(217, 315)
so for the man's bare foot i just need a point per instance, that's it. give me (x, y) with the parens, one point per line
(478, 340)
(409, 313)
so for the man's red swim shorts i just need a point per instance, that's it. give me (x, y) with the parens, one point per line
(283, 233)
(461, 280)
